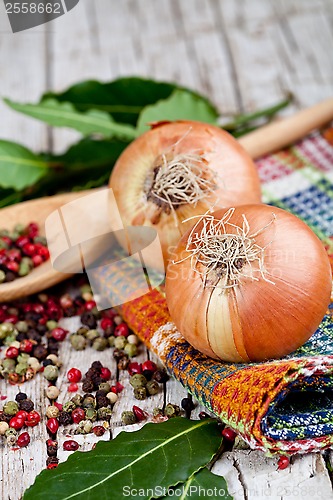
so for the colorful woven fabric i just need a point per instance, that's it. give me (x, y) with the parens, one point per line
(282, 405)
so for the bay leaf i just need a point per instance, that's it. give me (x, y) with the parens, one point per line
(19, 167)
(202, 484)
(64, 114)
(181, 105)
(158, 455)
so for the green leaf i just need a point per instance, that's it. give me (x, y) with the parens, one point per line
(158, 455)
(203, 484)
(181, 105)
(64, 114)
(123, 98)
(19, 167)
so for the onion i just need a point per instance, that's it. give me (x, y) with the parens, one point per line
(177, 170)
(248, 284)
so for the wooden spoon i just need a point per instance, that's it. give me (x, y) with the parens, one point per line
(262, 141)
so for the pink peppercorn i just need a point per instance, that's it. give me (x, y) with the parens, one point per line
(70, 445)
(23, 440)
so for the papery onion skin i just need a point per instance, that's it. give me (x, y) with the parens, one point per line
(255, 320)
(237, 178)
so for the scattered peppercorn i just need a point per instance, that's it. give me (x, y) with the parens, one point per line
(70, 445)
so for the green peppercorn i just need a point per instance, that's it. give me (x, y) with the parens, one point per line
(100, 344)
(104, 413)
(120, 342)
(7, 328)
(152, 387)
(138, 380)
(128, 418)
(40, 239)
(11, 440)
(171, 410)
(11, 338)
(84, 427)
(51, 372)
(78, 342)
(10, 408)
(2, 275)
(157, 411)
(111, 340)
(77, 400)
(21, 368)
(8, 365)
(11, 432)
(82, 331)
(91, 335)
(104, 386)
(131, 350)
(91, 414)
(24, 269)
(51, 324)
(23, 357)
(140, 393)
(69, 406)
(19, 228)
(22, 326)
(89, 402)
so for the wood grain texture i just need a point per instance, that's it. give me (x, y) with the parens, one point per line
(244, 55)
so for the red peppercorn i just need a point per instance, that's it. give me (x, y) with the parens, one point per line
(229, 434)
(58, 405)
(11, 318)
(52, 425)
(13, 266)
(98, 430)
(14, 254)
(33, 418)
(283, 462)
(139, 413)
(149, 366)
(134, 368)
(77, 415)
(70, 445)
(37, 260)
(22, 415)
(23, 440)
(52, 465)
(16, 423)
(73, 387)
(117, 388)
(106, 323)
(105, 373)
(22, 241)
(59, 334)
(12, 352)
(43, 252)
(121, 330)
(89, 305)
(7, 240)
(74, 375)
(33, 229)
(26, 346)
(28, 249)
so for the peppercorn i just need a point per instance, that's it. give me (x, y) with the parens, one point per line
(52, 392)
(51, 372)
(3, 428)
(133, 339)
(34, 364)
(104, 386)
(101, 401)
(100, 344)
(11, 440)
(51, 447)
(77, 415)
(152, 387)
(104, 413)
(51, 324)
(138, 380)
(74, 375)
(171, 410)
(11, 432)
(20, 396)
(89, 320)
(64, 418)
(32, 419)
(55, 360)
(203, 415)
(100, 393)
(187, 405)
(91, 335)
(40, 352)
(52, 412)
(131, 350)
(69, 406)
(112, 397)
(160, 376)
(140, 415)
(283, 462)
(140, 393)
(128, 418)
(229, 434)
(98, 430)
(47, 362)
(89, 402)
(123, 363)
(34, 336)
(30, 373)
(88, 385)
(96, 365)
(11, 408)
(8, 365)
(91, 414)
(120, 342)
(52, 462)
(84, 427)
(111, 340)
(78, 342)
(27, 405)
(77, 399)
(23, 440)
(70, 445)
(118, 354)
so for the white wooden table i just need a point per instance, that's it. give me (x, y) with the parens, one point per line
(244, 54)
